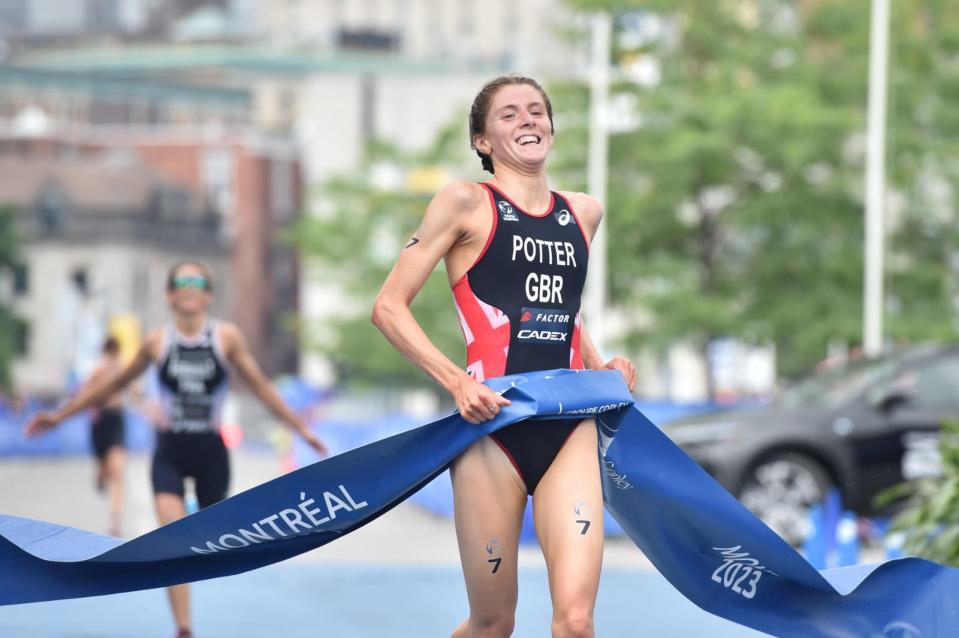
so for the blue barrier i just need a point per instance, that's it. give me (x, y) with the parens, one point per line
(72, 437)
(847, 540)
(833, 539)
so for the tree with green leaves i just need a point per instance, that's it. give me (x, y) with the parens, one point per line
(371, 213)
(923, 272)
(11, 326)
(929, 521)
(736, 206)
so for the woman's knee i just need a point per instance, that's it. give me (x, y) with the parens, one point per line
(499, 625)
(573, 621)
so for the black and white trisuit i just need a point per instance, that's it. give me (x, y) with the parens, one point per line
(193, 381)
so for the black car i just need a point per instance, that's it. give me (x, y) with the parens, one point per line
(860, 428)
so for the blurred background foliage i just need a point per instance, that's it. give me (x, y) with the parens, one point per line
(371, 214)
(930, 520)
(10, 324)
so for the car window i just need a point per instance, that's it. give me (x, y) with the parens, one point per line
(847, 382)
(933, 386)
(837, 386)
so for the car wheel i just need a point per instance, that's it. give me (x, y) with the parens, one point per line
(781, 489)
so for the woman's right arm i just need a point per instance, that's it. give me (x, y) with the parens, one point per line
(97, 391)
(444, 225)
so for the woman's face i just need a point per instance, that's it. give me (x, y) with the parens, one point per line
(518, 129)
(190, 290)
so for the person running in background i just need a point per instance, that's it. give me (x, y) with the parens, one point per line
(107, 433)
(193, 357)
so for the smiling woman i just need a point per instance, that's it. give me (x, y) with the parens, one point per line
(516, 255)
(508, 110)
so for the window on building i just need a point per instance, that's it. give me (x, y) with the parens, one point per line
(21, 338)
(281, 189)
(168, 201)
(80, 280)
(466, 26)
(51, 207)
(286, 108)
(109, 111)
(21, 279)
(13, 16)
(102, 16)
(218, 169)
(367, 40)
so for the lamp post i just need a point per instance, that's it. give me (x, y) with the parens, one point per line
(597, 162)
(875, 179)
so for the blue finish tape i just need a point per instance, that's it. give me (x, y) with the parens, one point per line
(704, 542)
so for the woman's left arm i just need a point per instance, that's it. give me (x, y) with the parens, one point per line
(238, 354)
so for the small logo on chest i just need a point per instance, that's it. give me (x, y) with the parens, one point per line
(506, 212)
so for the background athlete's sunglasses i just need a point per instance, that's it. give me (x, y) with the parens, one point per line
(189, 281)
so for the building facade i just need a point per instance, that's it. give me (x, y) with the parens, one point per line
(526, 36)
(249, 189)
(97, 240)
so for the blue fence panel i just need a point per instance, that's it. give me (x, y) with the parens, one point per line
(72, 437)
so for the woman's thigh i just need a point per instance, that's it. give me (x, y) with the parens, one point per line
(568, 512)
(489, 500)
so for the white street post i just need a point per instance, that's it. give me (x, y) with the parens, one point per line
(598, 158)
(875, 179)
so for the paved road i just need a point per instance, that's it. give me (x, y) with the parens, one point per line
(363, 601)
(397, 577)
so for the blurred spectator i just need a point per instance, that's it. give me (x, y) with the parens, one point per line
(108, 435)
